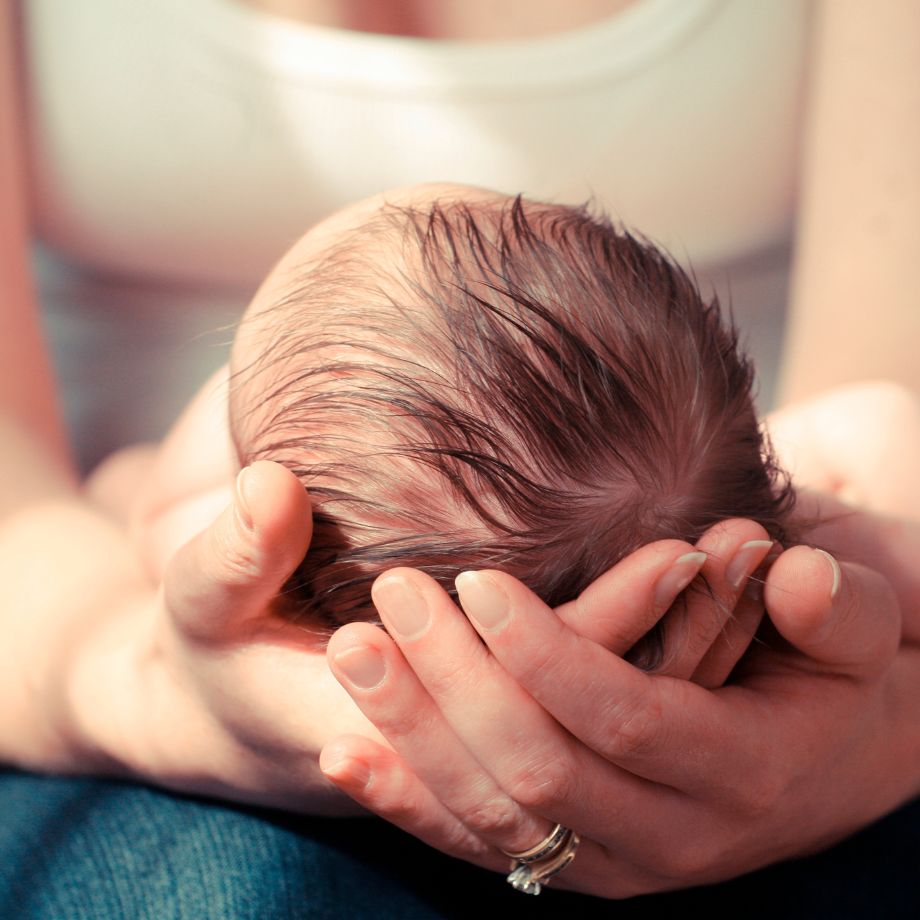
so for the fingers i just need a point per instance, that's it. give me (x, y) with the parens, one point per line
(488, 724)
(380, 781)
(649, 725)
(449, 799)
(737, 634)
(621, 606)
(363, 658)
(734, 550)
(231, 571)
(843, 616)
(890, 545)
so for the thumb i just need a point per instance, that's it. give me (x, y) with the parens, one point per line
(841, 615)
(231, 571)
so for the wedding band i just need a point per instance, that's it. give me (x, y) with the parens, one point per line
(545, 848)
(558, 850)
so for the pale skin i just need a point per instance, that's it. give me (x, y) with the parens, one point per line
(726, 812)
(217, 589)
(200, 698)
(222, 722)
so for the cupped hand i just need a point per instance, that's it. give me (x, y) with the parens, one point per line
(216, 694)
(497, 737)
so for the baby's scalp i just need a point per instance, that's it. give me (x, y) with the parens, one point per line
(498, 383)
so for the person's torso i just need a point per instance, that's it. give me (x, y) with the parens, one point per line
(179, 146)
(195, 139)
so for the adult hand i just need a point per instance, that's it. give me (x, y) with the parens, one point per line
(201, 687)
(670, 784)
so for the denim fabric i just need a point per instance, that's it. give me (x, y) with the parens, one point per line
(74, 849)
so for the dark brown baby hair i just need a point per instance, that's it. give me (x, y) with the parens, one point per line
(500, 384)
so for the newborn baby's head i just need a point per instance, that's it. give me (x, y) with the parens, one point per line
(465, 380)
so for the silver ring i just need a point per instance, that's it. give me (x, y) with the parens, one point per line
(529, 877)
(546, 847)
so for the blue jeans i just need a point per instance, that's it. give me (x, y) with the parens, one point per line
(74, 849)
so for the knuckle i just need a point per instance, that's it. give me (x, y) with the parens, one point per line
(450, 679)
(496, 817)
(235, 563)
(542, 786)
(760, 798)
(539, 663)
(683, 865)
(758, 789)
(637, 727)
(766, 783)
(398, 805)
(398, 722)
(394, 794)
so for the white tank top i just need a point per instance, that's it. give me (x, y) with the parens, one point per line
(194, 140)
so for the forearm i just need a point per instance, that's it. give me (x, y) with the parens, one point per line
(57, 602)
(856, 288)
(61, 567)
(27, 391)
(29, 473)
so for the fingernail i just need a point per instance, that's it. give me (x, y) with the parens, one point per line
(747, 557)
(483, 601)
(363, 666)
(835, 569)
(242, 504)
(681, 572)
(402, 606)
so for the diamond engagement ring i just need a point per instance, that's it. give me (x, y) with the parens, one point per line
(532, 869)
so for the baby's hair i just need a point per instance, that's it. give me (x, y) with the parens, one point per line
(507, 385)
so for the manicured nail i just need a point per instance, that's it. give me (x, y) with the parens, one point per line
(363, 665)
(242, 503)
(482, 600)
(681, 572)
(401, 605)
(747, 557)
(835, 569)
